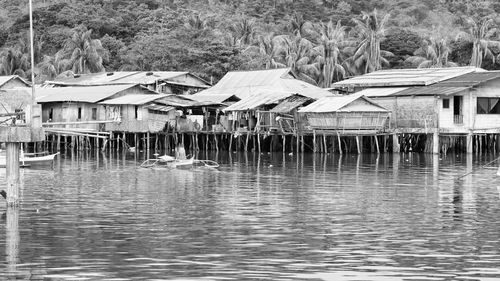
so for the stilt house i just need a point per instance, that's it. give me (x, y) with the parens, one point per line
(346, 114)
(82, 105)
(15, 98)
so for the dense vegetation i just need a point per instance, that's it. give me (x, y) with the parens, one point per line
(323, 41)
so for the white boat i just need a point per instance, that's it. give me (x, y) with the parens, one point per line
(31, 159)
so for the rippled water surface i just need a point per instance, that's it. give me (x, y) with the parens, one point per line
(257, 217)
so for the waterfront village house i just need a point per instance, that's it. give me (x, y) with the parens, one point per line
(212, 106)
(462, 103)
(78, 104)
(286, 114)
(259, 91)
(166, 82)
(346, 114)
(15, 96)
(138, 113)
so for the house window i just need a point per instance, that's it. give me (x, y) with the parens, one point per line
(94, 113)
(136, 112)
(51, 114)
(488, 105)
(79, 113)
(446, 103)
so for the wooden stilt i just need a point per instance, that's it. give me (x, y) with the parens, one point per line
(395, 144)
(284, 143)
(231, 137)
(325, 150)
(340, 144)
(216, 143)
(376, 144)
(258, 141)
(358, 144)
(314, 141)
(302, 143)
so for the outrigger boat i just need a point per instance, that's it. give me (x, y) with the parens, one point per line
(32, 159)
(172, 162)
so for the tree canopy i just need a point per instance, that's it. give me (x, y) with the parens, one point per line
(322, 41)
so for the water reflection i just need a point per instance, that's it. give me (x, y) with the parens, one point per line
(258, 217)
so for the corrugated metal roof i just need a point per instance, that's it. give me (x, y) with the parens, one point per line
(246, 83)
(177, 101)
(290, 104)
(255, 78)
(335, 104)
(405, 77)
(5, 79)
(79, 94)
(261, 98)
(218, 98)
(430, 91)
(159, 107)
(470, 79)
(135, 99)
(380, 92)
(121, 77)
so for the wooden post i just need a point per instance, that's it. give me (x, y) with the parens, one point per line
(217, 142)
(302, 143)
(435, 142)
(246, 141)
(340, 143)
(12, 173)
(326, 145)
(297, 143)
(147, 142)
(395, 143)
(284, 143)
(376, 144)
(314, 141)
(258, 140)
(358, 144)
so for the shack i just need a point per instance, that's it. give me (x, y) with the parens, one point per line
(80, 106)
(346, 115)
(137, 113)
(211, 107)
(459, 112)
(166, 82)
(286, 114)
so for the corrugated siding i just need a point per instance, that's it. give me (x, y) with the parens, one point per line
(348, 120)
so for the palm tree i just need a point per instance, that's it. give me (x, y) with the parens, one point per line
(370, 31)
(268, 48)
(433, 53)
(331, 44)
(480, 35)
(244, 31)
(51, 66)
(298, 26)
(14, 62)
(85, 54)
(298, 53)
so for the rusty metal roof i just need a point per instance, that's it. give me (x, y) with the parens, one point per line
(133, 99)
(264, 97)
(92, 94)
(348, 103)
(159, 107)
(470, 79)
(290, 104)
(405, 77)
(247, 83)
(430, 91)
(123, 77)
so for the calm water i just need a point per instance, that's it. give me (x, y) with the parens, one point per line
(257, 217)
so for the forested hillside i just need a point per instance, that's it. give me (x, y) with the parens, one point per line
(323, 41)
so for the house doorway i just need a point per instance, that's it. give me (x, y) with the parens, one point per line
(458, 117)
